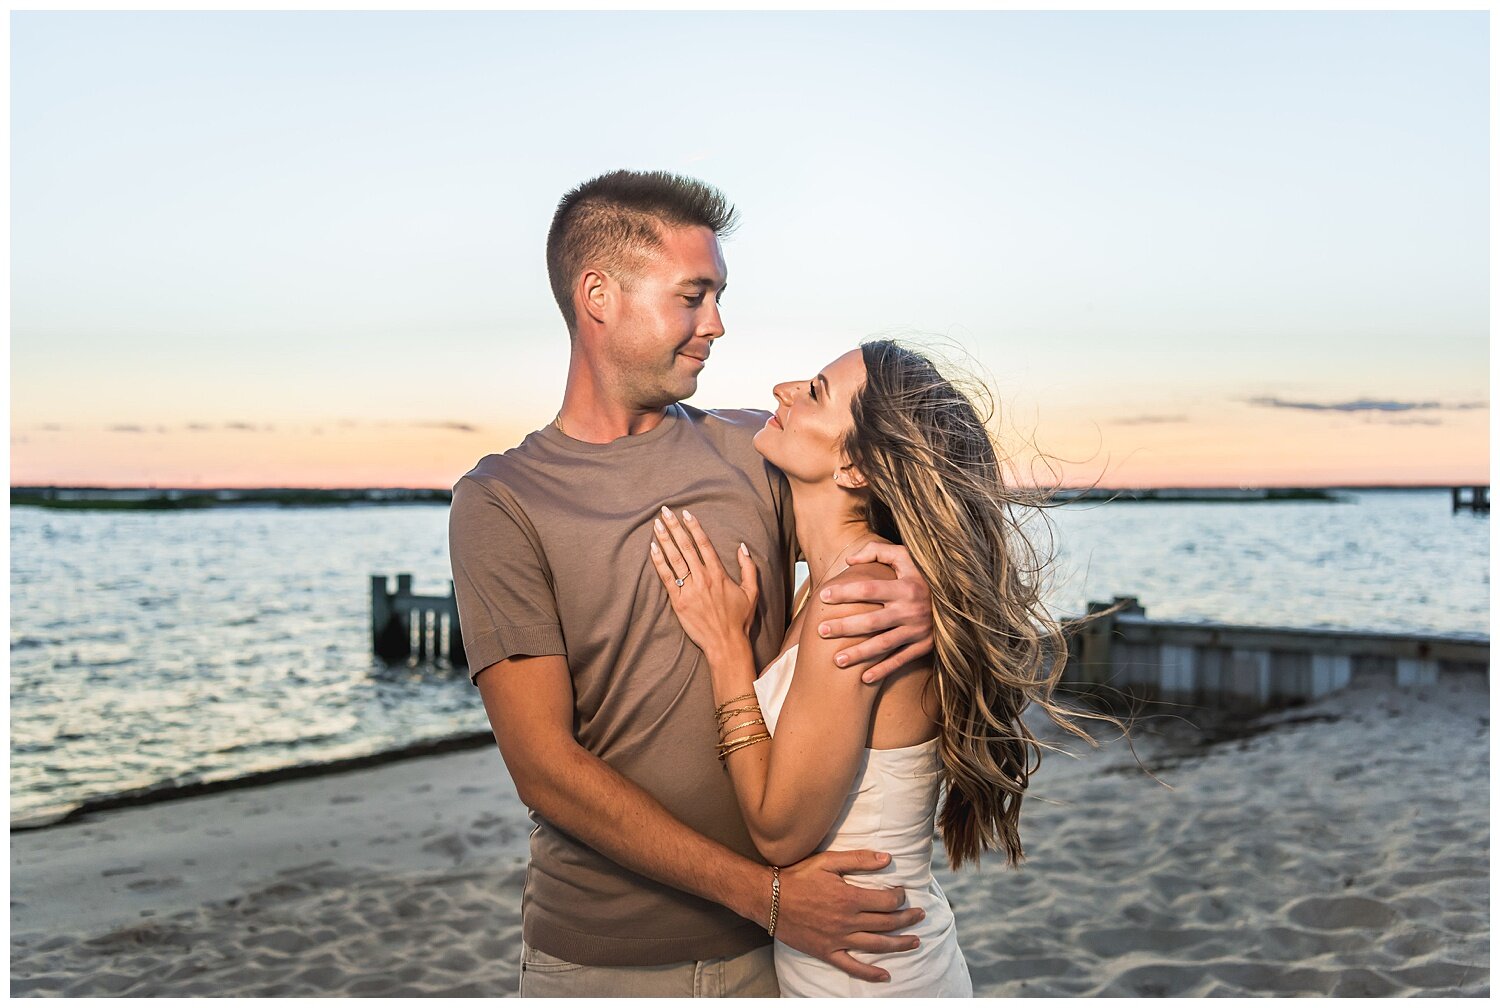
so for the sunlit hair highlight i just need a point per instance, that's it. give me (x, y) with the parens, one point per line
(935, 478)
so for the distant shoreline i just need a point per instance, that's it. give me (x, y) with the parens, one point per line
(166, 499)
(92, 498)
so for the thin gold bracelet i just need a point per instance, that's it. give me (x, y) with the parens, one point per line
(743, 696)
(739, 744)
(724, 736)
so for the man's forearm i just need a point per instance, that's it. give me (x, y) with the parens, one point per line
(591, 801)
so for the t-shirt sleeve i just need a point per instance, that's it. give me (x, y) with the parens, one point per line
(505, 602)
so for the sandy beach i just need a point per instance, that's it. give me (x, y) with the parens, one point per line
(1339, 848)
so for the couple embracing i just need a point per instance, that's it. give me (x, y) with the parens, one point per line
(735, 790)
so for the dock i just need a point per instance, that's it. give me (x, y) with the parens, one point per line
(1227, 666)
(405, 625)
(1472, 498)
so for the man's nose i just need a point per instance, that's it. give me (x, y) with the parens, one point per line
(712, 326)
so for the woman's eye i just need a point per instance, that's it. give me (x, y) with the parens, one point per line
(812, 390)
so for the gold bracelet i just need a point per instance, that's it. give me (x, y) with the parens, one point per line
(724, 736)
(744, 696)
(738, 744)
(725, 748)
(775, 899)
(738, 710)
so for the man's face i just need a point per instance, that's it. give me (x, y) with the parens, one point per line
(669, 318)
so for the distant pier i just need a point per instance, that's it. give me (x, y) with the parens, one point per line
(1225, 666)
(405, 625)
(1471, 498)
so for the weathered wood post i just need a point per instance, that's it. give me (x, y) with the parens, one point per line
(1095, 661)
(389, 620)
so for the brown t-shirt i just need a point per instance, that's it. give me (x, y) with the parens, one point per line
(549, 543)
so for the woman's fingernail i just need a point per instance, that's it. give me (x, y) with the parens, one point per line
(655, 548)
(841, 660)
(666, 510)
(659, 527)
(744, 549)
(687, 515)
(827, 595)
(823, 630)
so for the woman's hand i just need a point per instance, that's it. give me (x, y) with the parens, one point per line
(715, 612)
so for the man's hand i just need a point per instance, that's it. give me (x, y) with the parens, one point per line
(824, 916)
(902, 625)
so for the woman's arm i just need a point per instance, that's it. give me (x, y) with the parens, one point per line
(791, 789)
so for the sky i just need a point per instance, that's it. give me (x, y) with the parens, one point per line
(1182, 249)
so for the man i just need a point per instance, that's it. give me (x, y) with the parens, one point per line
(643, 880)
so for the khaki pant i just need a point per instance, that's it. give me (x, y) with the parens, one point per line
(751, 974)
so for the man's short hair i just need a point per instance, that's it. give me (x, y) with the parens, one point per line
(612, 221)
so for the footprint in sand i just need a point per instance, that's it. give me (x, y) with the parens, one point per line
(1340, 912)
(452, 845)
(154, 885)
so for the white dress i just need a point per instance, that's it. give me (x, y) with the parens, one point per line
(891, 807)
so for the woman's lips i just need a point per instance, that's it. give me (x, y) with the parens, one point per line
(773, 422)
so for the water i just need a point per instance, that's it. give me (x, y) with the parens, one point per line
(1398, 561)
(156, 646)
(202, 645)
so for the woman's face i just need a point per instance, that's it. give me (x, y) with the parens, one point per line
(812, 419)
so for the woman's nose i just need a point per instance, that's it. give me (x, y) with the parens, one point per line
(783, 393)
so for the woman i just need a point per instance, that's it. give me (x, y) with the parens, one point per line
(879, 447)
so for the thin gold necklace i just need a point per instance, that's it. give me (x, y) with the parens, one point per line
(836, 557)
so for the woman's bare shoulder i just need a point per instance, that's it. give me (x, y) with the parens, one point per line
(862, 572)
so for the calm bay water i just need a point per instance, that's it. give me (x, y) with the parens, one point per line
(156, 646)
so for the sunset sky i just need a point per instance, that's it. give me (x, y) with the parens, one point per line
(1184, 248)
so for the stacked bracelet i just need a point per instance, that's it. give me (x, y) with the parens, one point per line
(727, 712)
(775, 899)
(725, 748)
(719, 710)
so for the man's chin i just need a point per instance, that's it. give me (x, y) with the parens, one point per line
(677, 393)
(686, 390)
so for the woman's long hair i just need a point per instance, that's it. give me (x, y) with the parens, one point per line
(935, 485)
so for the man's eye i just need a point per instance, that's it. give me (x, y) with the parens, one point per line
(812, 390)
(693, 299)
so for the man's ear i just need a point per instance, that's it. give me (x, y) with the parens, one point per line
(594, 294)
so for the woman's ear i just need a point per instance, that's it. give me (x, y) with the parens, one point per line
(850, 478)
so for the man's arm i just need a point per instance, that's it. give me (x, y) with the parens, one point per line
(529, 700)
(900, 631)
